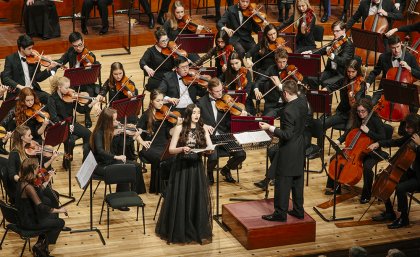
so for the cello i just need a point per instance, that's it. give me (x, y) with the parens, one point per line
(392, 111)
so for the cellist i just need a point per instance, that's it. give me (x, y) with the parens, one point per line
(410, 180)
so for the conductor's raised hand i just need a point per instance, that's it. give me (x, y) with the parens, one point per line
(264, 126)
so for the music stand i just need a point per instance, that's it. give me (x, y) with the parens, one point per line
(399, 92)
(6, 106)
(196, 43)
(211, 71)
(83, 75)
(309, 65)
(54, 136)
(368, 40)
(338, 151)
(240, 95)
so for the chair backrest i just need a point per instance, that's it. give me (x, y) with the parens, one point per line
(318, 33)
(4, 179)
(120, 173)
(10, 213)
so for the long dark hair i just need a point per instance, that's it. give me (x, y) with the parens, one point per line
(115, 66)
(149, 112)
(356, 121)
(230, 73)
(265, 41)
(27, 170)
(21, 106)
(186, 128)
(106, 124)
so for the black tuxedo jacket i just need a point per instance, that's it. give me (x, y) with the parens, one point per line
(71, 57)
(231, 20)
(207, 115)
(385, 63)
(13, 74)
(169, 87)
(344, 55)
(363, 12)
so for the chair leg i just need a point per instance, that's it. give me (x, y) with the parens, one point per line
(307, 171)
(409, 203)
(137, 217)
(113, 15)
(237, 174)
(3, 223)
(96, 188)
(107, 221)
(24, 246)
(329, 147)
(4, 236)
(103, 203)
(157, 207)
(144, 223)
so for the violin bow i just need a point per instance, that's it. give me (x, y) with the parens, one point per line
(224, 115)
(288, 75)
(160, 126)
(74, 110)
(186, 24)
(211, 58)
(250, 16)
(288, 26)
(122, 86)
(327, 45)
(167, 57)
(36, 68)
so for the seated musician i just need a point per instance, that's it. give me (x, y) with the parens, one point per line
(237, 77)
(222, 48)
(41, 19)
(233, 19)
(409, 182)
(340, 53)
(375, 130)
(153, 150)
(305, 27)
(103, 12)
(18, 73)
(371, 7)
(408, 28)
(219, 123)
(79, 56)
(154, 63)
(60, 110)
(174, 88)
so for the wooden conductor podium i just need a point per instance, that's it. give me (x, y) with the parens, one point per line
(246, 225)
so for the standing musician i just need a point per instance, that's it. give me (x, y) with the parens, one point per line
(102, 142)
(79, 56)
(41, 19)
(19, 73)
(61, 108)
(375, 130)
(153, 150)
(239, 78)
(305, 27)
(233, 19)
(371, 7)
(289, 160)
(154, 63)
(339, 54)
(176, 91)
(408, 28)
(221, 51)
(219, 123)
(103, 12)
(410, 180)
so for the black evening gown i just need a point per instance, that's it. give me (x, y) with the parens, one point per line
(186, 212)
(41, 20)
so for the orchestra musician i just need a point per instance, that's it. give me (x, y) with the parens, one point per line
(154, 63)
(186, 214)
(408, 28)
(289, 160)
(212, 116)
(375, 130)
(340, 53)
(217, 7)
(41, 19)
(409, 181)
(232, 20)
(33, 213)
(103, 12)
(371, 7)
(18, 73)
(305, 27)
(60, 110)
(79, 56)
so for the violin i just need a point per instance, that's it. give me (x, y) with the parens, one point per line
(34, 148)
(227, 103)
(41, 177)
(82, 97)
(173, 49)
(309, 16)
(85, 58)
(224, 54)
(36, 112)
(279, 43)
(353, 88)
(242, 81)
(291, 72)
(44, 60)
(253, 11)
(195, 78)
(171, 116)
(126, 86)
(186, 22)
(337, 45)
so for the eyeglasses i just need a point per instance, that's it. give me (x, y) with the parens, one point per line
(78, 45)
(184, 67)
(361, 111)
(163, 40)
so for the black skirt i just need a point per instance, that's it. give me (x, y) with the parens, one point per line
(41, 20)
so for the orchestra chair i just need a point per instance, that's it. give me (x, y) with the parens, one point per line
(10, 214)
(164, 180)
(95, 5)
(314, 151)
(341, 128)
(3, 176)
(96, 177)
(121, 174)
(411, 197)
(319, 37)
(389, 130)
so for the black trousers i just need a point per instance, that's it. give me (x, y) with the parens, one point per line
(51, 223)
(164, 7)
(146, 6)
(241, 47)
(236, 158)
(217, 5)
(79, 132)
(42, 95)
(282, 187)
(102, 7)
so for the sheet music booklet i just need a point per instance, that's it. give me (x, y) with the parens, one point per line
(252, 137)
(209, 148)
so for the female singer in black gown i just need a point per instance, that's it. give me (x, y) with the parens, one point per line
(186, 212)
(41, 19)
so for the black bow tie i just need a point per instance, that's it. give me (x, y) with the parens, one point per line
(23, 59)
(396, 58)
(212, 99)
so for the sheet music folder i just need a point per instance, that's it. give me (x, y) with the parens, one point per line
(399, 92)
(83, 76)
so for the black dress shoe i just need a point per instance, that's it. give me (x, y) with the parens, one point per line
(280, 19)
(66, 229)
(151, 21)
(228, 176)
(84, 30)
(66, 164)
(344, 16)
(124, 209)
(262, 184)
(384, 216)
(3, 150)
(295, 214)
(103, 31)
(160, 19)
(364, 200)
(273, 217)
(324, 18)
(210, 177)
(88, 121)
(399, 223)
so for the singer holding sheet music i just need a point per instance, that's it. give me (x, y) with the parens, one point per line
(41, 19)
(289, 160)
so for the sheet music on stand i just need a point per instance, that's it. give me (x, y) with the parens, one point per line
(58, 133)
(128, 106)
(252, 137)
(399, 92)
(83, 76)
(86, 170)
(309, 65)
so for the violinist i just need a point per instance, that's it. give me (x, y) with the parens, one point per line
(211, 116)
(41, 19)
(410, 180)
(103, 12)
(79, 56)
(233, 19)
(153, 151)
(239, 78)
(339, 54)
(221, 51)
(372, 7)
(102, 143)
(19, 73)
(60, 110)
(153, 61)
(305, 27)
(375, 130)
(34, 214)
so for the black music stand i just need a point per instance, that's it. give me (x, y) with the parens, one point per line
(128, 47)
(240, 95)
(309, 65)
(196, 43)
(6, 106)
(217, 217)
(368, 40)
(338, 151)
(83, 75)
(55, 135)
(211, 71)
(399, 92)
